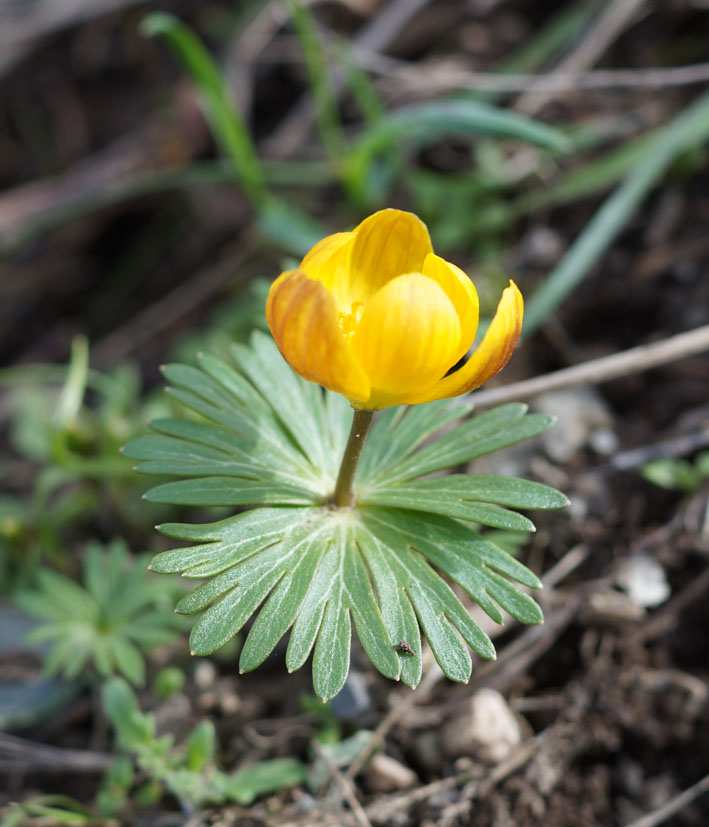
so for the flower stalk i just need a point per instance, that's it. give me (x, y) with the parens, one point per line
(343, 495)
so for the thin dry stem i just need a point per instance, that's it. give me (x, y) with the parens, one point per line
(624, 363)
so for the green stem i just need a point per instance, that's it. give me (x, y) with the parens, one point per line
(343, 490)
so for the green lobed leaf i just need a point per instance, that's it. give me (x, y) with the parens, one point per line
(226, 542)
(434, 603)
(437, 497)
(133, 727)
(302, 568)
(306, 563)
(240, 406)
(297, 403)
(121, 611)
(270, 436)
(456, 490)
(219, 491)
(247, 784)
(315, 570)
(201, 746)
(483, 434)
(470, 560)
(258, 433)
(397, 432)
(397, 610)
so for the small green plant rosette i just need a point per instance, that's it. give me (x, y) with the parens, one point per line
(189, 770)
(110, 622)
(261, 437)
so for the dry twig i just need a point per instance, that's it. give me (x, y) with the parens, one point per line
(374, 36)
(21, 755)
(627, 362)
(674, 805)
(430, 79)
(345, 785)
(679, 445)
(430, 679)
(149, 147)
(613, 20)
(22, 25)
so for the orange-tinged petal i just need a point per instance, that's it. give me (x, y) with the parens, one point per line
(491, 355)
(461, 292)
(406, 339)
(328, 261)
(388, 244)
(302, 315)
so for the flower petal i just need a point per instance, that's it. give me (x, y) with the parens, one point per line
(328, 261)
(490, 357)
(388, 244)
(461, 292)
(406, 339)
(302, 315)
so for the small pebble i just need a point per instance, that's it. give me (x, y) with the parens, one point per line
(385, 774)
(205, 674)
(486, 727)
(604, 441)
(580, 412)
(644, 580)
(542, 247)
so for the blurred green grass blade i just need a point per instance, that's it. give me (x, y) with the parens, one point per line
(363, 90)
(593, 177)
(429, 121)
(370, 190)
(425, 123)
(72, 395)
(280, 222)
(224, 120)
(324, 95)
(297, 173)
(690, 128)
(290, 228)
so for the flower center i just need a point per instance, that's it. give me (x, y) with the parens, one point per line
(349, 321)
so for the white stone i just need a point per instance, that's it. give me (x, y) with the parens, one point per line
(579, 413)
(487, 728)
(644, 580)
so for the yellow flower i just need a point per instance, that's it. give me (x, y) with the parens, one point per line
(375, 315)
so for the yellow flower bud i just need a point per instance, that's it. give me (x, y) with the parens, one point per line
(375, 315)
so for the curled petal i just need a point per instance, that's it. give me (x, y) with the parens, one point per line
(460, 290)
(387, 244)
(302, 315)
(491, 355)
(406, 339)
